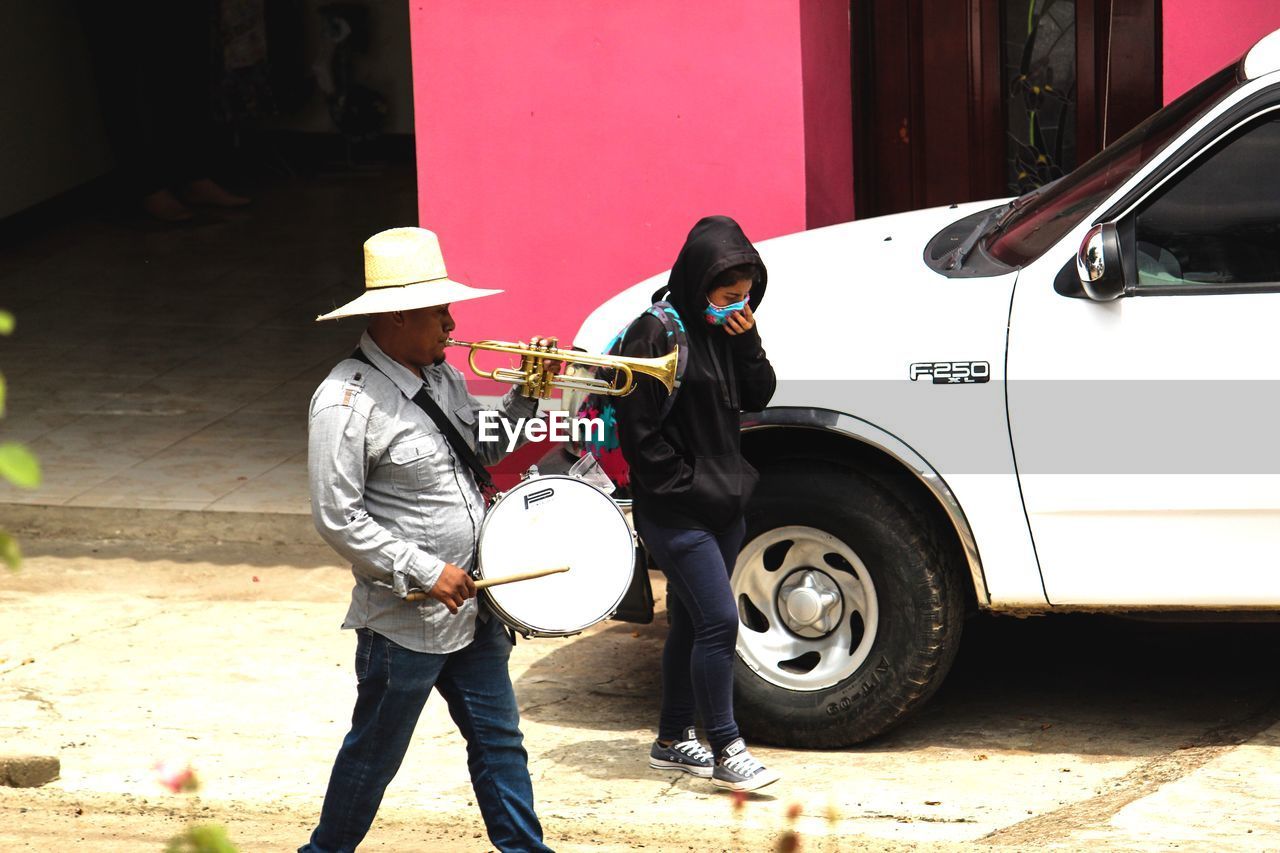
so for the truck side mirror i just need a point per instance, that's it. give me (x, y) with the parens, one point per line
(1098, 263)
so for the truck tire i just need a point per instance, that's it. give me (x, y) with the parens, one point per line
(849, 617)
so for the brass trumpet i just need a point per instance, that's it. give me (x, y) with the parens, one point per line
(535, 380)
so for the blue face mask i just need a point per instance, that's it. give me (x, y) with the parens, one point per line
(718, 315)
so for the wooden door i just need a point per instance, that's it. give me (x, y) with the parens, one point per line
(932, 93)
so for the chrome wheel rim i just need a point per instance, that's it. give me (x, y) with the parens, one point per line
(807, 608)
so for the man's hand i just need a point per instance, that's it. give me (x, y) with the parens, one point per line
(453, 587)
(538, 342)
(740, 321)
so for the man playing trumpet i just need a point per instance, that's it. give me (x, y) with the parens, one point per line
(396, 478)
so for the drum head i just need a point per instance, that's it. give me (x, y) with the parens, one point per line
(546, 522)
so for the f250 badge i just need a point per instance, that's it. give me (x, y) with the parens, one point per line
(952, 372)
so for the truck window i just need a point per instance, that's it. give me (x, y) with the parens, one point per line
(1219, 221)
(1034, 228)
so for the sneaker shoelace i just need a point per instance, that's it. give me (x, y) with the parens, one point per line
(693, 749)
(744, 764)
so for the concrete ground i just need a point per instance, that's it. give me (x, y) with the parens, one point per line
(1068, 733)
(175, 603)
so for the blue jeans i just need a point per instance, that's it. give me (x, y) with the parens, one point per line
(394, 683)
(697, 661)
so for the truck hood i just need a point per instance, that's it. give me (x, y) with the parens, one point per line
(856, 301)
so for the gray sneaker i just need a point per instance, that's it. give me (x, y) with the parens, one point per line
(688, 755)
(738, 770)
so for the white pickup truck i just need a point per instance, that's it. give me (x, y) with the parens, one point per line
(1067, 401)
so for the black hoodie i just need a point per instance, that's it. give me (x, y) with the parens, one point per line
(687, 471)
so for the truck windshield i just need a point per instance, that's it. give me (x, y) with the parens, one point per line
(1038, 220)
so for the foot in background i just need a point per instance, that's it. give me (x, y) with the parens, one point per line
(205, 191)
(165, 207)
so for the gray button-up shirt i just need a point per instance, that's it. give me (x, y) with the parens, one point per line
(388, 494)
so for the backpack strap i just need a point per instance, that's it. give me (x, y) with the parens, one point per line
(669, 317)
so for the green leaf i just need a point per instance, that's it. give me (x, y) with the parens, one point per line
(10, 553)
(6, 323)
(201, 838)
(19, 466)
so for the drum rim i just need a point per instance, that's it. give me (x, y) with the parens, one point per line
(501, 612)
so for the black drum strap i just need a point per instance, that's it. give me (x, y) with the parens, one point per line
(451, 434)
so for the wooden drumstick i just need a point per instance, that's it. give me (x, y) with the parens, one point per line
(522, 576)
(418, 595)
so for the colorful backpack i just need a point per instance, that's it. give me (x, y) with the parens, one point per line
(606, 448)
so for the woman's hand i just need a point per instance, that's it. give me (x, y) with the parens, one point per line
(740, 321)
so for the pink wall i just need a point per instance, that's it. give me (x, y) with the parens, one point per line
(825, 61)
(1200, 38)
(566, 148)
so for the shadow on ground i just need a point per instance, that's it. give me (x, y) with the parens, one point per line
(1081, 684)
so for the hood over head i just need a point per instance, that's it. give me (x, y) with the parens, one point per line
(715, 244)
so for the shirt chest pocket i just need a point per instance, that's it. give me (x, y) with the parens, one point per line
(465, 416)
(416, 461)
(464, 420)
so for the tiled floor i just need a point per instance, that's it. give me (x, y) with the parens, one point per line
(170, 368)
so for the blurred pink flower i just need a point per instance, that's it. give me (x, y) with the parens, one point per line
(178, 777)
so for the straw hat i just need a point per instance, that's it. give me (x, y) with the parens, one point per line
(403, 270)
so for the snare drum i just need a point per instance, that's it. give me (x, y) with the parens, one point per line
(551, 521)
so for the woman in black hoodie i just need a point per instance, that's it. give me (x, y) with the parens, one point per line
(690, 485)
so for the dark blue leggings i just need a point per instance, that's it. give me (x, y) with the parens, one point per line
(697, 661)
